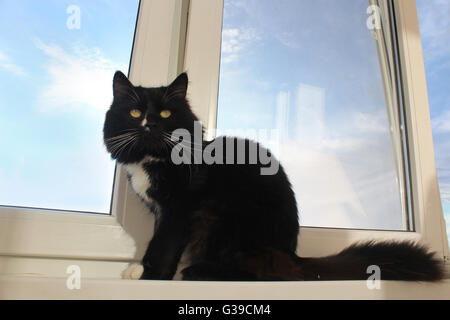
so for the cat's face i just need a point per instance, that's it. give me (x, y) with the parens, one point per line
(141, 120)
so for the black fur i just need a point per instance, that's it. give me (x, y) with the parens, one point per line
(396, 260)
(236, 223)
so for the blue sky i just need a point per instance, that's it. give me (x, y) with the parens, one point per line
(56, 86)
(306, 68)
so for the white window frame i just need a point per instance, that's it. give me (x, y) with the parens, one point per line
(202, 59)
(172, 36)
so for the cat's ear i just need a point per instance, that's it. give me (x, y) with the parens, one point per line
(178, 87)
(121, 85)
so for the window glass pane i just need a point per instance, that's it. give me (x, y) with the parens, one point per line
(434, 22)
(310, 70)
(57, 60)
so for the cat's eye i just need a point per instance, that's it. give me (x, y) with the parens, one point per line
(165, 114)
(135, 113)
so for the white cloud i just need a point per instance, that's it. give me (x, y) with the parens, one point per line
(333, 191)
(343, 173)
(434, 28)
(441, 123)
(445, 192)
(326, 199)
(288, 38)
(79, 79)
(371, 123)
(7, 64)
(230, 45)
(234, 41)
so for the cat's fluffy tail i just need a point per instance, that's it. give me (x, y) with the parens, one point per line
(395, 260)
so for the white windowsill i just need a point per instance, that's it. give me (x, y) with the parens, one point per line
(31, 287)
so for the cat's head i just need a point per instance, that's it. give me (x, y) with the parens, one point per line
(140, 120)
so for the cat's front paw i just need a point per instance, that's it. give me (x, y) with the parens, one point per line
(133, 272)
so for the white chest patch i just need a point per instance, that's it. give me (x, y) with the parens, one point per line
(140, 180)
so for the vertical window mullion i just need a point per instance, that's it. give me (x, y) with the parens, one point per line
(386, 42)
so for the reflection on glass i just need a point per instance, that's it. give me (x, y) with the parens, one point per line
(310, 70)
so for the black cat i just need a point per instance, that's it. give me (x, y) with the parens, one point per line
(226, 219)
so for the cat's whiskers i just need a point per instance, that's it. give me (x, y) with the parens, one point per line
(118, 138)
(124, 146)
(167, 97)
(117, 146)
(115, 150)
(121, 136)
(133, 97)
(185, 142)
(184, 145)
(135, 141)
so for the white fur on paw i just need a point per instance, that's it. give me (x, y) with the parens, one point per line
(133, 272)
